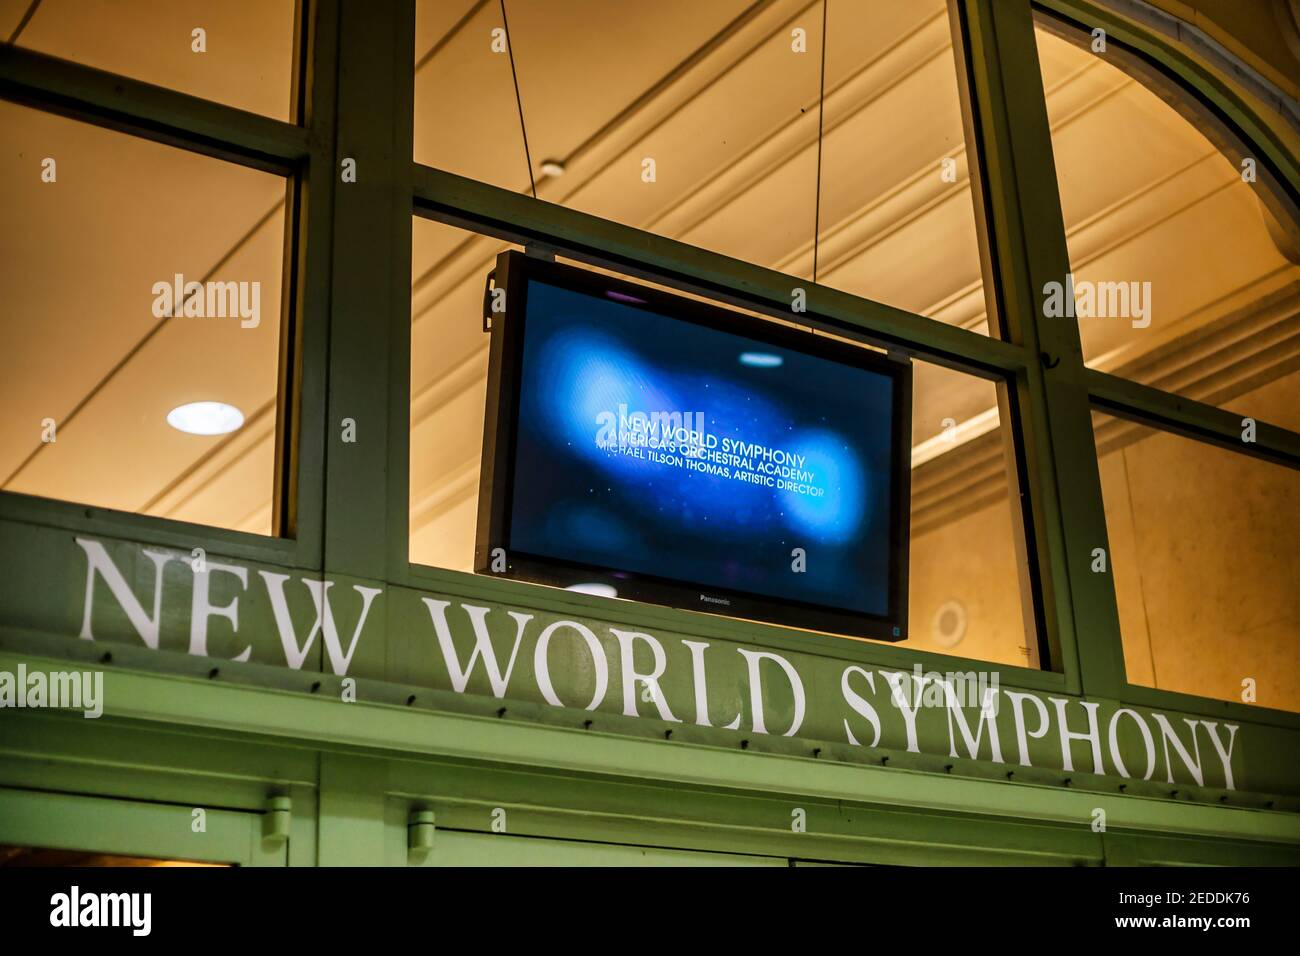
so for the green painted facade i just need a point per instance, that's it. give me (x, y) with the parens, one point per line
(368, 723)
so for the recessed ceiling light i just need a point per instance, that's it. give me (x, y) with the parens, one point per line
(761, 359)
(205, 418)
(552, 167)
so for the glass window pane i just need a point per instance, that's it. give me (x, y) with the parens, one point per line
(700, 121)
(449, 364)
(969, 591)
(1183, 277)
(967, 572)
(466, 118)
(1204, 556)
(237, 52)
(91, 360)
(897, 216)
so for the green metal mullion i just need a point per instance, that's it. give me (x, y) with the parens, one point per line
(1022, 211)
(1193, 419)
(396, 526)
(509, 215)
(1042, 558)
(152, 112)
(301, 429)
(369, 371)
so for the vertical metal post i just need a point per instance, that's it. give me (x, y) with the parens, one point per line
(301, 432)
(369, 369)
(1019, 213)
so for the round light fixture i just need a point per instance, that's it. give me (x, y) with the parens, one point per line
(205, 418)
(552, 167)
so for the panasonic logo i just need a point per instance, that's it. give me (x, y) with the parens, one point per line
(715, 600)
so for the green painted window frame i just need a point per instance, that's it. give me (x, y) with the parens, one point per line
(1179, 70)
(135, 828)
(348, 279)
(303, 153)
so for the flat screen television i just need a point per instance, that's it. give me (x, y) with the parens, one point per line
(644, 445)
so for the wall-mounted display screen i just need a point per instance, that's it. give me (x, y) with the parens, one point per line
(643, 445)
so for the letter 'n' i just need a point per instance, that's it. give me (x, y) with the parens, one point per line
(98, 562)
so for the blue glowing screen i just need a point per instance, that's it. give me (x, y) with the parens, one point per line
(653, 445)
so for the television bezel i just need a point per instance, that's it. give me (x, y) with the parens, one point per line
(514, 270)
